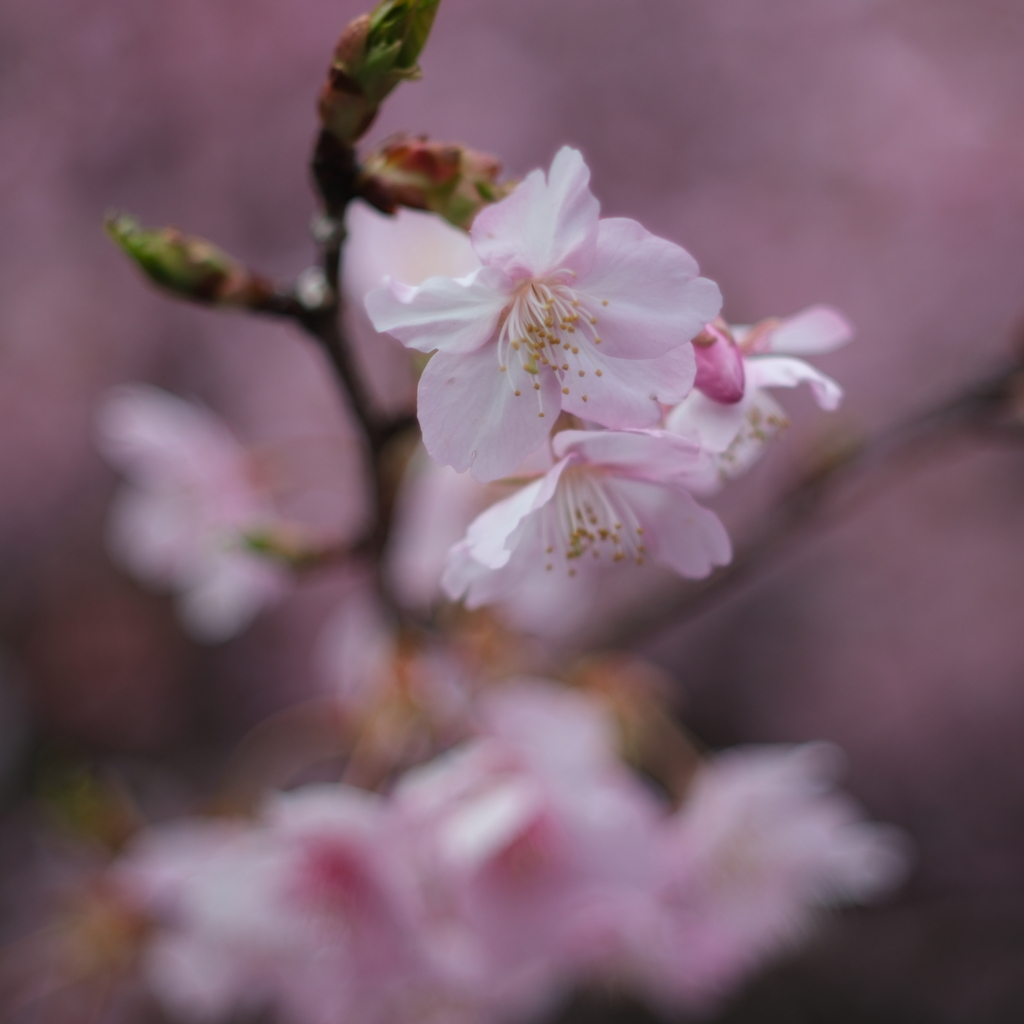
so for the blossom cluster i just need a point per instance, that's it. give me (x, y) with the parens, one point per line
(488, 850)
(492, 880)
(593, 346)
(580, 362)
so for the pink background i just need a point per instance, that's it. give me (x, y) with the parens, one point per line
(865, 153)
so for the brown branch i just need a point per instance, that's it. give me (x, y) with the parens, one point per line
(335, 172)
(986, 409)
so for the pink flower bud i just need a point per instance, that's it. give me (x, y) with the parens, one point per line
(719, 364)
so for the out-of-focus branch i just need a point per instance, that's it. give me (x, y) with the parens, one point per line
(991, 408)
(375, 53)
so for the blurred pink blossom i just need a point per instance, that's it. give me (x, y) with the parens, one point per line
(408, 246)
(526, 322)
(190, 501)
(760, 844)
(517, 832)
(307, 910)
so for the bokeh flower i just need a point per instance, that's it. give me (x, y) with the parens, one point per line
(182, 519)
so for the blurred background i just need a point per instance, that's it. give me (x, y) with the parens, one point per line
(864, 153)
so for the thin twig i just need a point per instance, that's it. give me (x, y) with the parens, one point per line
(335, 172)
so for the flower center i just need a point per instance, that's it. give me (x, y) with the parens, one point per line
(546, 325)
(591, 519)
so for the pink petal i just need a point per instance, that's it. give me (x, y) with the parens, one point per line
(640, 455)
(472, 419)
(679, 533)
(713, 425)
(448, 314)
(783, 372)
(655, 300)
(537, 228)
(629, 392)
(488, 534)
(815, 330)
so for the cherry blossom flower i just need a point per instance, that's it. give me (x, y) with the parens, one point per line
(565, 312)
(182, 518)
(614, 497)
(760, 845)
(730, 412)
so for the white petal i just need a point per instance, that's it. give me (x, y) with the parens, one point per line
(628, 393)
(784, 372)
(644, 292)
(639, 454)
(472, 418)
(713, 425)
(543, 224)
(678, 532)
(454, 315)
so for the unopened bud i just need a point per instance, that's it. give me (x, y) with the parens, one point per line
(188, 266)
(374, 54)
(445, 178)
(720, 373)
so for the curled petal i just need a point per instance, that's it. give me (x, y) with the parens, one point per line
(473, 419)
(454, 315)
(784, 372)
(644, 292)
(544, 224)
